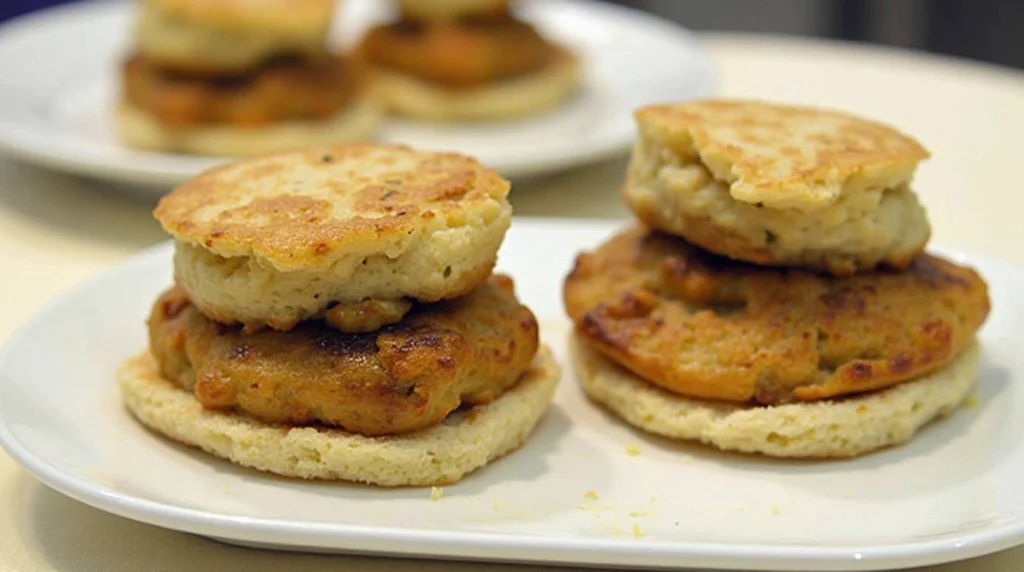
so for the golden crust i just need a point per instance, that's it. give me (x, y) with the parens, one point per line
(307, 208)
(404, 377)
(288, 16)
(784, 156)
(707, 327)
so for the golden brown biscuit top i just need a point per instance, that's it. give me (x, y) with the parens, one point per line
(707, 327)
(783, 156)
(306, 208)
(292, 16)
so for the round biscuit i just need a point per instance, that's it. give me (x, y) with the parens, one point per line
(282, 238)
(281, 16)
(778, 185)
(827, 429)
(230, 36)
(440, 455)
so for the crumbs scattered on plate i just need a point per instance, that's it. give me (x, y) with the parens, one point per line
(592, 495)
(436, 493)
(632, 449)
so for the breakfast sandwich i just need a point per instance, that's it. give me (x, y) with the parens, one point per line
(229, 78)
(786, 362)
(776, 297)
(451, 60)
(335, 316)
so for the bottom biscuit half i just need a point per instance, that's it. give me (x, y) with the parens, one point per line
(439, 455)
(827, 429)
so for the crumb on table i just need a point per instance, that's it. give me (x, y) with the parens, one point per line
(632, 449)
(638, 531)
(436, 493)
(592, 495)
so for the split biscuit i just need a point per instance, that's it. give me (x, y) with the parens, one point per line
(283, 238)
(779, 185)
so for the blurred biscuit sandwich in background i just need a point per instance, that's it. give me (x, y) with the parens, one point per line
(229, 78)
(465, 60)
(777, 297)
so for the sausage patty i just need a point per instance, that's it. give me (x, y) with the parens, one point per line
(704, 326)
(404, 377)
(283, 89)
(463, 53)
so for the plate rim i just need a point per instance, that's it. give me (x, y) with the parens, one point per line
(19, 142)
(485, 546)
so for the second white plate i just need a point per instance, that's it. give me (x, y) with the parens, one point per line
(951, 493)
(57, 112)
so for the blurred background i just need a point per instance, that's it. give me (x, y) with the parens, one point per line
(986, 30)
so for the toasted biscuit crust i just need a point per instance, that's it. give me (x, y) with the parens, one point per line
(827, 429)
(278, 239)
(230, 36)
(784, 156)
(778, 185)
(401, 378)
(282, 16)
(439, 455)
(309, 208)
(704, 326)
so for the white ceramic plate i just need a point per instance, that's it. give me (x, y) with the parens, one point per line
(59, 82)
(953, 492)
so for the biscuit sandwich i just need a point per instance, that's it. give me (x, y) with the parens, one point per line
(224, 78)
(678, 333)
(466, 60)
(335, 316)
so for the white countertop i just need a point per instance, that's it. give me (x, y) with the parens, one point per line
(57, 230)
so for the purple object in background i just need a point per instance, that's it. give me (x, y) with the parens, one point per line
(12, 8)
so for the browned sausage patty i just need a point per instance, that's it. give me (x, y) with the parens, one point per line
(404, 377)
(280, 90)
(707, 327)
(460, 54)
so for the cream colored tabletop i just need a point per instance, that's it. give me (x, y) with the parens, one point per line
(56, 230)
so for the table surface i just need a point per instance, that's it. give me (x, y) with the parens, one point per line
(56, 231)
